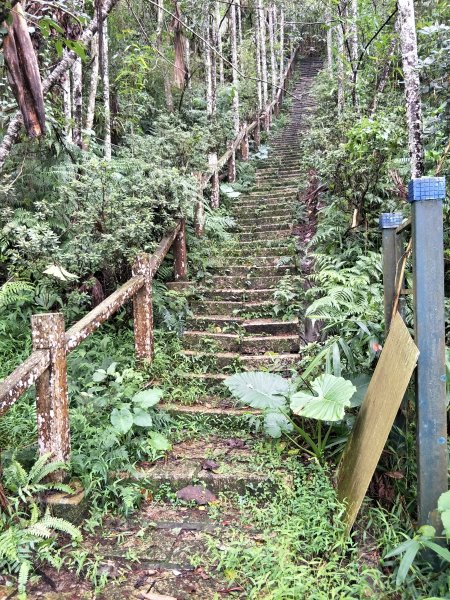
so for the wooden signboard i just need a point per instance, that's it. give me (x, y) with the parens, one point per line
(376, 417)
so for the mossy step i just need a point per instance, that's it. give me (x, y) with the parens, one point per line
(230, 324)
(273, 260)
(253, 344)
(265, 222)
(246, 281)
(247, 362)
(208, 411)
(252, 214)
(251, 270)
(224, 307)
(236, 295)
(250, 251)
(236, 471)
(264, 234)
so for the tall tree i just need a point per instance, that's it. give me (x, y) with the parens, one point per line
(104, 60)
(90, 113)
(263, 50)
(273, 64)
(408, 43)
(234, 63)
(219, 43)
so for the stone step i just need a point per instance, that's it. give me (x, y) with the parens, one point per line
(261, 223)
(245, 282)
(250, 215)
(246, 362)
(209, 411)
(232, 325)
(245, 236)
(224, 307)
(250, 271)
(274, 259)
(233, 342)
(252, 250)
(237, 295)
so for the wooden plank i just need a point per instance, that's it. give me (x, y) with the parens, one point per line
(376, 417)
(405, 225)
(22, 378)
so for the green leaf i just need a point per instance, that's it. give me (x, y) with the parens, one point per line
(99, 375)
(407, 561)
(427, 531)
(361, 382)
(141, 417)
(333, 396)
(258, 389)
(122, 420)
(148, 398)
(444, 502)
(445, 517)
(159, 442)
(276, 423)
(440, 550)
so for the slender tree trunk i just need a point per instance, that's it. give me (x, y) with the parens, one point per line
(187, 61)
(92, 90)
(258, 61)
(234, 62)
(208, 70)
(262, 31)
(106, 99)
(219, 44)
(408, 43)
(281, 50)
(354, 32)
(273, 64)
(77, 102)
(167, 82)
(214, 35)
(340, 68)
(239, 34)
(328, 14)
(67, 104)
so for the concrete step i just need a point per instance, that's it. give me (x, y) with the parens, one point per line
(272, 260)
(237, 295)
(233, 325)
(265, 223)
(246, 362)
(235, 343)
(224, 307)
(264, 234)
(245, 282)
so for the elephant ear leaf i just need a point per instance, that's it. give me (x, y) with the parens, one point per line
(259, 389)
(276, 423)
(331, 397)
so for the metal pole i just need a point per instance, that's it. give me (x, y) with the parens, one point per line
(388, 225)
(426, 195)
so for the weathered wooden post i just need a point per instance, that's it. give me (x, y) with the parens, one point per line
(231, 164)
(52, 404)
(180, 254)
(143, 309)
(391, 255)
(426, 195)
(244, 144)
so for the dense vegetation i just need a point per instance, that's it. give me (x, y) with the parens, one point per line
(108, 180)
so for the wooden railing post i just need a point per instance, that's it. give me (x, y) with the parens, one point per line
(244, 145)
(143, 309)
(257, 134)
(52, 403)
(180, 254)
(215, 186)
(231, 165)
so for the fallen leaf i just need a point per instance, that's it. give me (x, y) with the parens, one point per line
(394, 475)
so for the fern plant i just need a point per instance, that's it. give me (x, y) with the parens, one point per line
(12, 292)
(25, 534)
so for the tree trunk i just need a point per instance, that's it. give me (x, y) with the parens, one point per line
(273, 65)
(93, 89)
(281, 50)
(258, 62)
(219, 44)
(187, 61)
(106, 99)
(208, 69)
(77, 102)
(354, 32)
(262, 32)
(408, 43)
(240, 36)
(167, 82)
(67, 103)
(384, 74)
(328, 14)
(340, 68)
(234, 62)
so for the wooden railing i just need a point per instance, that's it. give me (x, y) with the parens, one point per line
(46, 367)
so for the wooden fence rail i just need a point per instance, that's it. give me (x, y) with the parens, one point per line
(46, 367)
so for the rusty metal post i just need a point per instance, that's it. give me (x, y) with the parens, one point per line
(215, 186)
(426, 195)
(52, 404)
(143, 309)
(244, 145)
(388, 225)
(180, 254)
(232, 165)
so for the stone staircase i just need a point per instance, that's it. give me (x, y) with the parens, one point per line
(233, 326)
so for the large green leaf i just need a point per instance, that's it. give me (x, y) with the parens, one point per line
(142, 418)
(148, 398)
(276, 423)
(333, 395)
(258, 389)
(122, 420)
(159, 442)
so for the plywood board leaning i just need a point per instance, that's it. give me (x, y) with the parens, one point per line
(376, 417)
